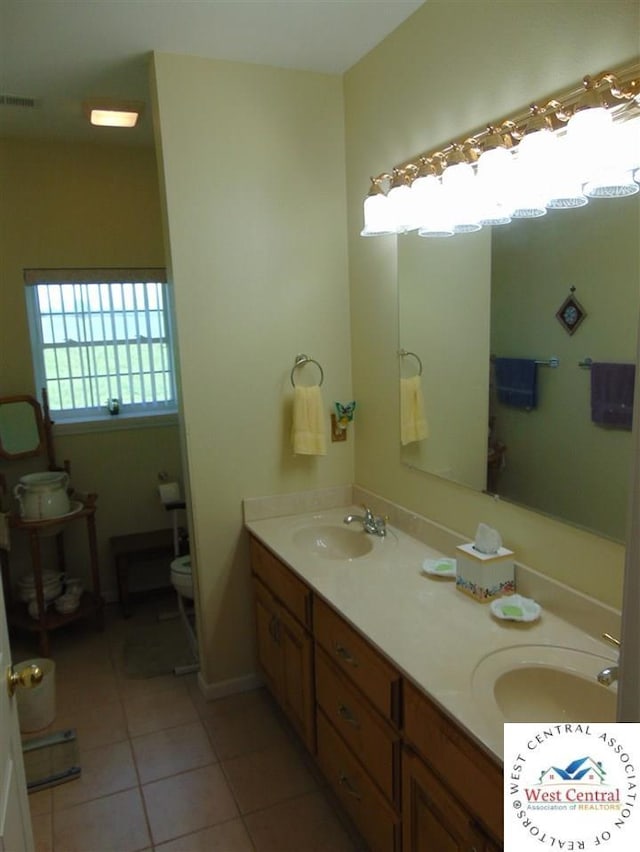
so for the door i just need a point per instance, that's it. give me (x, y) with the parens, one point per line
(432, 821)
(297, 698)
(15, 819)
(266, 637)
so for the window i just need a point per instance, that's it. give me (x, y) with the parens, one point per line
(101, 341)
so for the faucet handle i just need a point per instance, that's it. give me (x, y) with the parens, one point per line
(611, 639)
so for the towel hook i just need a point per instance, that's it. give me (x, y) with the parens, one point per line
(403, 353)
(300, 361)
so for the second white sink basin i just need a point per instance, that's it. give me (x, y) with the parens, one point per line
(332, 541)
(543, 683)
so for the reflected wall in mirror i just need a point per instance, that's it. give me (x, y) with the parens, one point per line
(21, 427)
(498, 295)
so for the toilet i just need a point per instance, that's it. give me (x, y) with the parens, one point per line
(181, 578)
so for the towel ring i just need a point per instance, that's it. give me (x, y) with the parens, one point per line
(403, 354)
(300, 361)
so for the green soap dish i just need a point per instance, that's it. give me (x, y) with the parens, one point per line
(515, 608)
(443, 567)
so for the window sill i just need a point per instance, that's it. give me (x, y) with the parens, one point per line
(115, 423)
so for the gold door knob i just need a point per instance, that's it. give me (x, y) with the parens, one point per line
(28, 677)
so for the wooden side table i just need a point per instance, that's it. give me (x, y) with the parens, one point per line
(136, 547)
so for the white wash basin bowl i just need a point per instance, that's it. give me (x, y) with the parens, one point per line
(543, 683)
(333, 541)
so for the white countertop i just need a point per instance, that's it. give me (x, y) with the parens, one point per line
(433, 633)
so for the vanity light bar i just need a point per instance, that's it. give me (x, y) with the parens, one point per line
(478, 166)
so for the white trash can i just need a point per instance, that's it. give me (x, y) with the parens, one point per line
(37, 705)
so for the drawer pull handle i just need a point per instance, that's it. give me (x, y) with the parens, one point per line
(348, 716)
(344, 654)
(348, 786)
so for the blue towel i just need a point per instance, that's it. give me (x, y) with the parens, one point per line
(612, 394)
(517, 382)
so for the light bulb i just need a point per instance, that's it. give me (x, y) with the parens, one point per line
(495, 185)
(534, 162)
(461, 196)
(401, 206)
(564, 184)
(377, 216)
(611, 183)
(590, 141)
(432, 213)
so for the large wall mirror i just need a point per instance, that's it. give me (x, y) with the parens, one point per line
(496, 293)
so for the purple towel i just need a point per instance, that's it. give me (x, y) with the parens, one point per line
(612, 394)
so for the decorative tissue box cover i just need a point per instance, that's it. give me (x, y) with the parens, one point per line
(485, 576)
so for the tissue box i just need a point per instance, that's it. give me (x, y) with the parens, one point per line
(485, 576)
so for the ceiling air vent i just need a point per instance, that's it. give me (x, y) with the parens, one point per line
(17, 101)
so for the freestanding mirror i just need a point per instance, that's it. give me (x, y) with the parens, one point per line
(22, 432)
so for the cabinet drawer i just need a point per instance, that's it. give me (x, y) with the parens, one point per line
(374, 742)
(469, 773)
(284, 584)
(352, 654)
(374, 819)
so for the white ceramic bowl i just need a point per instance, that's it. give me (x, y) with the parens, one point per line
(51, 586)
(73, 586)
(67, 603)
(33, 608)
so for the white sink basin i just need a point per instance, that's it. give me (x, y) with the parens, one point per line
(333, 541)
(542, 683)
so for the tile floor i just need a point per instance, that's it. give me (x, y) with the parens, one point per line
(164, 770)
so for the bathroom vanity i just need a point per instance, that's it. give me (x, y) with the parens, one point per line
(381, 671)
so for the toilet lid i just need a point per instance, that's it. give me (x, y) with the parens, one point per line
(182, 565)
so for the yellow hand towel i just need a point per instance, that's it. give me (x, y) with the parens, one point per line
(413, 421)
(308, 430)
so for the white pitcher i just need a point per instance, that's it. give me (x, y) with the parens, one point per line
(43, 495)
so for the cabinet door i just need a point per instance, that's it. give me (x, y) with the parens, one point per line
(266, 637)
(432, 821)
(297, 693)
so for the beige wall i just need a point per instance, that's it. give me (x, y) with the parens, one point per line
(252, 162)
(82, 205)
(447, 70)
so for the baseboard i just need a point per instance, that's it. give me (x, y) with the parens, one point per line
(211, 691)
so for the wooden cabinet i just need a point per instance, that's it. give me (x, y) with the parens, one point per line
(452, 790)
(284, 644)
(358, 696)
(407, 775)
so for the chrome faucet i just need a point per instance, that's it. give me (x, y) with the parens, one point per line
(371, 524)
(610, 673)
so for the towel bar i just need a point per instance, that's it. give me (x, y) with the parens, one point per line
(403, 353)
(552, 362)
(586, 362)
(300, 361)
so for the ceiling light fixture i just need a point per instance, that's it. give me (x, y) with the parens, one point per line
(109, 112)
(582, 144)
